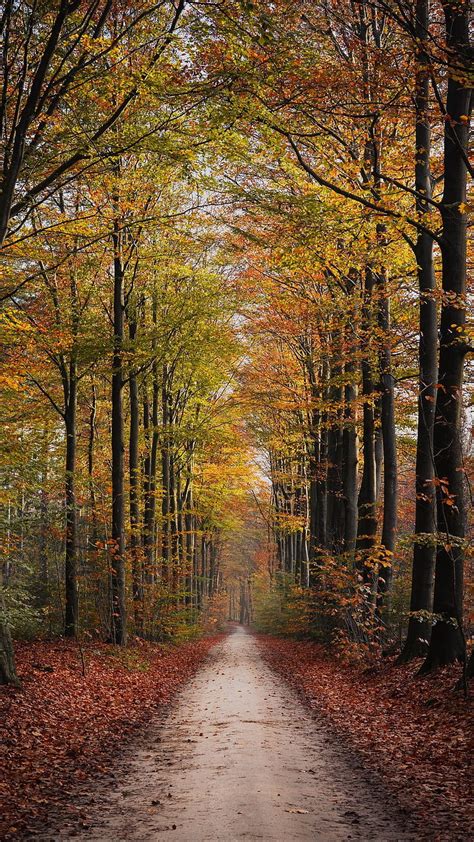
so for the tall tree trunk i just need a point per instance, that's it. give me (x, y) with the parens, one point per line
(447, 640)
(368, 493)
(305, 535)
(119, 610)
(173, 515)
(335, 503)
(390, 473)
(165, 473)
(134, 476)
(71, 598)
(350, 461)
(149, 521)
(322, 488)
(424, 551)
(367, 500)
(149, 487)
(378, 446)
(43, 589)
(278, 510)
(196, 582)
(212, 566)
(313, 467)
(189, 543)
(290, 508)
(90, 469)
(203, 567)
(349, 434)
(146, 478)
(150, 426)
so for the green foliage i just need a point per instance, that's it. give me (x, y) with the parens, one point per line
(282, 608)
(24, 618)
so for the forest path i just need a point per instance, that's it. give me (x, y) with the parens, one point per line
(239, 757)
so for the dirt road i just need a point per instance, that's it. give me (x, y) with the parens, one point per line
(239, 758)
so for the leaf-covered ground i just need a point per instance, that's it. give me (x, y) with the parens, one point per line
(63, 727)
(416, 732)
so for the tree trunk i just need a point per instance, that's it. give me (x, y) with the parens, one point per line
(367, 501)
(203, 569)
(196, 582)
(305, 535)
(424, 551)
(71, 598)
(165, 472)
(149, 485)
(447, 640)
(119, 610)
(278, 509)
(149, 515)
(43, 589)
(173, 513)
(390, 474)
(90, 469)
(335, 507)
(350, 461)
(321, 487)
(134, 476)
(313, 450)
(189, 543)
(212, 566)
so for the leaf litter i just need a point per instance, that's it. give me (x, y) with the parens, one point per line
(415, 732)
(63, 728)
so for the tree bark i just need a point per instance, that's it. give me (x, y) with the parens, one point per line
(447, 640)
(90, 469)
(134, 477)
(367, 500)
(119, 609)
(424, 551)
(71, 597)
(189, 542)
(322, 466)
(335, 503)
(165, 473)
(43, 589)
(390, 473)
(173, 514)
(149, 489)
(350, 462)
(313, 459)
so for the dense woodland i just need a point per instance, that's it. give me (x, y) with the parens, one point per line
(234, 308)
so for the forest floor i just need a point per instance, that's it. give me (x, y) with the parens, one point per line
(268, 739)
(67, 725)
(415, 732)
